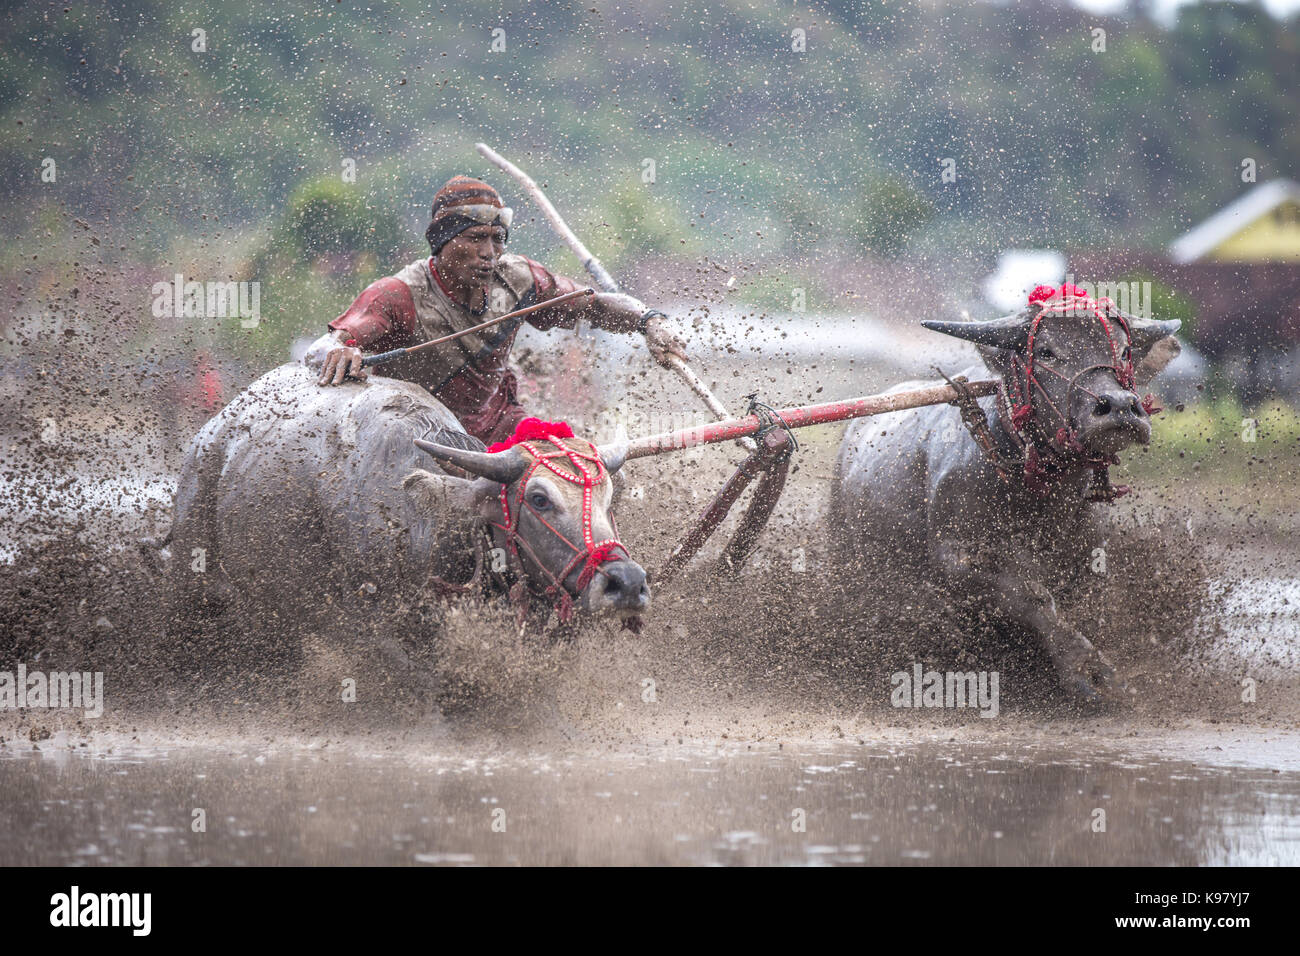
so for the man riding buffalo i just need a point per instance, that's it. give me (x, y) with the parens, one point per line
(469, 279)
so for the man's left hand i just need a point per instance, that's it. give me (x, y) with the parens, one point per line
(662, 342)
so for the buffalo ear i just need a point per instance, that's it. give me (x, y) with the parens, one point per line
(617, 485)
(997, 361)
(1157, 358)
(1144, 333)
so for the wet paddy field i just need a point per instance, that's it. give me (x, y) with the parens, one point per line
(1193, 797)
(769, 737)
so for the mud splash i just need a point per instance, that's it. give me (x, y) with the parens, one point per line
(744, 700)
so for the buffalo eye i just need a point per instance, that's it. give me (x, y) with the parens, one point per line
(1126, 354)
(539, 501)
(1045, 352)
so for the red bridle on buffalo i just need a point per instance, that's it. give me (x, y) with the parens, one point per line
(1067, 300)
(589, 472)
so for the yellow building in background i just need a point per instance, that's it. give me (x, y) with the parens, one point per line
(1261, 225)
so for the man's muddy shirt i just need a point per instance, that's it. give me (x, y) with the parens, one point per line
(470, 375)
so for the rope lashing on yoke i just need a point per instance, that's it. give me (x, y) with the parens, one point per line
(589, 471)
(769, 419)
(977, 423)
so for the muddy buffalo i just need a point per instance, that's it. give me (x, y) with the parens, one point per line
(998, 524)
(297, 500)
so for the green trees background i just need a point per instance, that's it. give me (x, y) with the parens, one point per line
(759, 150)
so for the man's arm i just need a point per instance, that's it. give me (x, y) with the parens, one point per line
(611, 311)
(382, 317)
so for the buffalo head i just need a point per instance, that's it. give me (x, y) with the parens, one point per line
(550, 522)
(1077, 383)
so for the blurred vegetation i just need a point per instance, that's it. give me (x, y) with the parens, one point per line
(633, 224)
(889, 211)
(1220, 435)
(1166, 303)
(780, 291)
(1053, 142)
(326, 217)
(327, 245)
(761, 151)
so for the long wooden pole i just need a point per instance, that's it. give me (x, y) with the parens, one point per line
(589, 262)
(801, 417)
(599, 273)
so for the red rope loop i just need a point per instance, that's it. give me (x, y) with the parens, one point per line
(588, 471)
(1017, 399)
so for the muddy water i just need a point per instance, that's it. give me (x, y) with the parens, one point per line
(1186, 798)
(743, 760)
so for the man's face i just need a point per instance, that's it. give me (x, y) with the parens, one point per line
(471, 257)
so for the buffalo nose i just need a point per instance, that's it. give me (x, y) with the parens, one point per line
(625, 584)
(1118, 404)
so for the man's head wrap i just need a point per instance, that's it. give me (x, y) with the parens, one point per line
(461, 204)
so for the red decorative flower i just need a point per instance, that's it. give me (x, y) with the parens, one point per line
(1044, 292)
(531, 429)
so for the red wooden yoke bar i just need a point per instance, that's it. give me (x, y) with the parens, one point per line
(801, 417)
(771, 460)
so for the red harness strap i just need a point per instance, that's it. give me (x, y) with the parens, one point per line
(1018, 407)
(588, 471)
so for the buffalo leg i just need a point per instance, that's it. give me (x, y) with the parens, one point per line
(1080, 667)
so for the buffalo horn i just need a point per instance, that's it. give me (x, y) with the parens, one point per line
(502, 466)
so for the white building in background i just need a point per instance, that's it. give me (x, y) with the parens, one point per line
(1018, 272)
